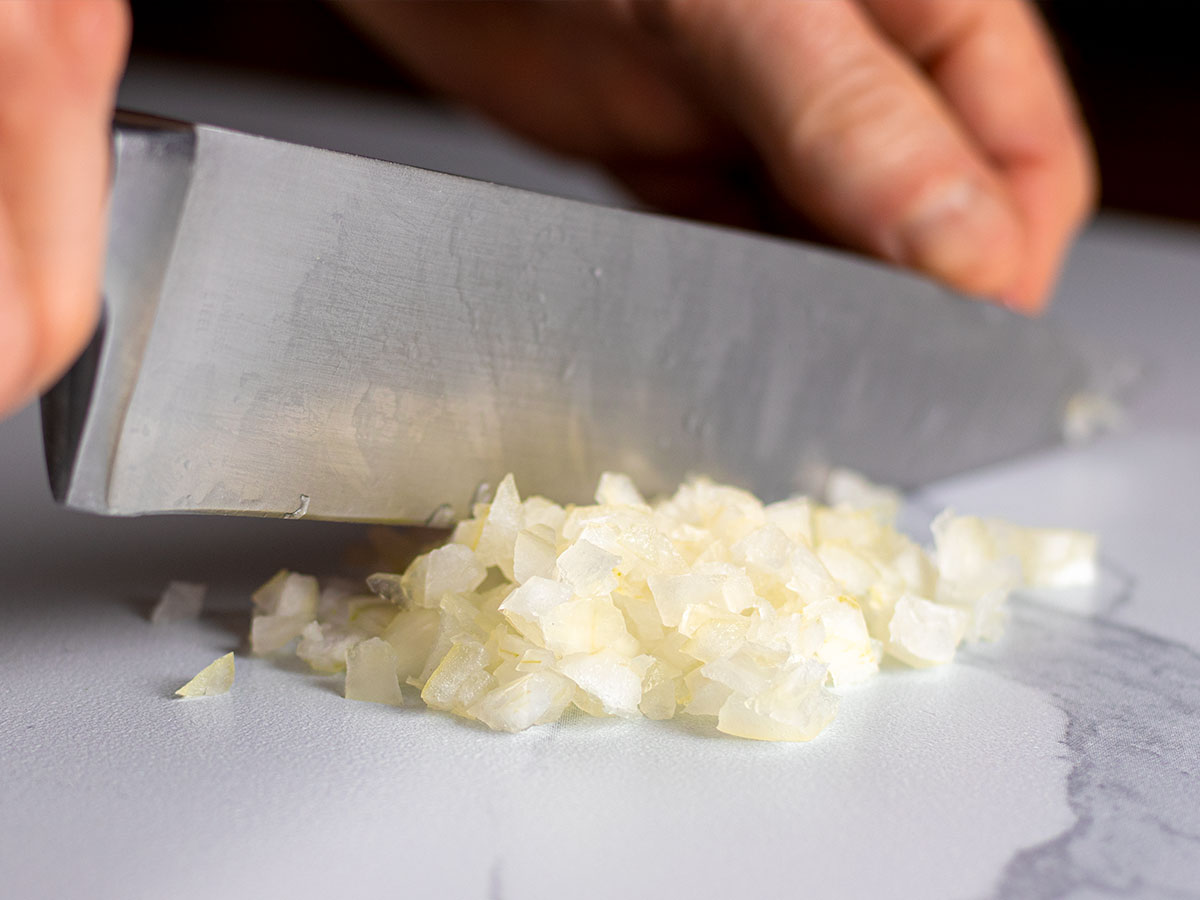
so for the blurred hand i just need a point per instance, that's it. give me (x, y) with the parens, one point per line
(940, 134)
(936, 133)
(59, 65)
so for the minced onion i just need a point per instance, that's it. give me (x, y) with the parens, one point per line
(707, 603)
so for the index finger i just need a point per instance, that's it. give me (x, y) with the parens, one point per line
(995, 66)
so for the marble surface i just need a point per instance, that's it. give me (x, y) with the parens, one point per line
(1061, 761)
(1122, 663)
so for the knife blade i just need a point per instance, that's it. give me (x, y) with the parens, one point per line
(291, 331)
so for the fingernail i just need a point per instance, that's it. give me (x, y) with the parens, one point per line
(962, 234)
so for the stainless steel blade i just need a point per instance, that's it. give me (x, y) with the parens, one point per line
(295, 331)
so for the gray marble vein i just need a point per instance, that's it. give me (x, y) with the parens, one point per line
(1132, 701)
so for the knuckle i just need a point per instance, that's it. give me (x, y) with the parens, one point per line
(67, 51)
(94, 35)
(864, 141)
(857, 118)
(83, 42)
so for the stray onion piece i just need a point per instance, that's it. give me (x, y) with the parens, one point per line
(180, 602)
(708, 603)
(215, 678)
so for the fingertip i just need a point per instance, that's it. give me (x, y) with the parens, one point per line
(1026, 299)
(1055, 206)
(1032, 290)
(66, 335)
(16, 351)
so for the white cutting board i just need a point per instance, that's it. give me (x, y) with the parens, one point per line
(1059, 762)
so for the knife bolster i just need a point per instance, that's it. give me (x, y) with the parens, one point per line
(82, 415)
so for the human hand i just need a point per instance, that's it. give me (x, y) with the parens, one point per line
(939, 134)
(59, 65)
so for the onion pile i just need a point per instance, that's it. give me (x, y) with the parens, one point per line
(708, 603)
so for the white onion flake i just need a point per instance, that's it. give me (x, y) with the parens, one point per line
(180, 602)
(371, 673)
(707, 603)
(215, 678)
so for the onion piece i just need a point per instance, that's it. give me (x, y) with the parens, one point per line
(534, 553)
(215, 678)
(371, 673)
(924, 633)
(446, 570)
(796, 707)
(324, 646)
(460, 679)
(270, 634)
(532, 699)
(181, 601)
(610, 679)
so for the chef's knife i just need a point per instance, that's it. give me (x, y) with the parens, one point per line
(291, 331)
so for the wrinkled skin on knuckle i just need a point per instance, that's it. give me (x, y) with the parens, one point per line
(859, 144)
(854, 124)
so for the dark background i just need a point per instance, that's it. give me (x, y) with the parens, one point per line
(1134, 65)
